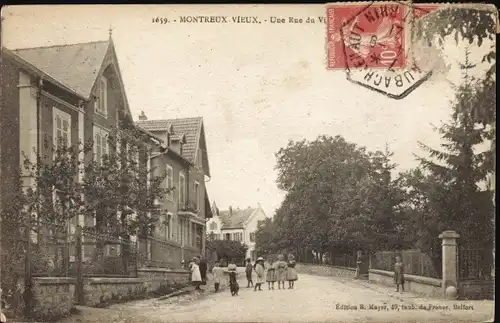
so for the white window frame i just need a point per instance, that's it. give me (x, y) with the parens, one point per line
(169, 181)
(101, 100)
(182, 189)
(102, 149)
(64, 117)
(197, 194)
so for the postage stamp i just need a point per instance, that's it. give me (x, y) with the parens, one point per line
(371, 35)
(365, 35)
(373, 43)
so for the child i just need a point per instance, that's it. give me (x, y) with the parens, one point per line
(399, 275)
(271, 273)
(248, 272)
(281, 271)
(217, 273)
(291, 273)
(195, 274)
(259, 269)
(233, 281)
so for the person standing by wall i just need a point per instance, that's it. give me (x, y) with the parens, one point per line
(195, 273)
(399, 275)
(203, 270)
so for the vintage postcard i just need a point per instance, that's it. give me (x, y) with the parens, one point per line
(248, 163)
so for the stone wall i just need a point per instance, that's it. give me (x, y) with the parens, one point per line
(157, 278)
(325, 270)
(53, 297)
(425, 286)
(101, 291)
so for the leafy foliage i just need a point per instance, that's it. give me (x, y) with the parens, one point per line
(457, 169)
(339, 197)
(227, 249)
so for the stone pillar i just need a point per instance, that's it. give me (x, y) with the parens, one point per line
(450, 257)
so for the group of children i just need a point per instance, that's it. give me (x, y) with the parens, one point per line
(272, 271)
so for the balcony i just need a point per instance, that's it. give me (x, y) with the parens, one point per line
(188, 209)
(191, 211)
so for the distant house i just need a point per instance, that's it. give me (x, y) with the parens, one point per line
(185, 162)
(236, 224)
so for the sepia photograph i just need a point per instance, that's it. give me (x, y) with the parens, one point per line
(248, 163)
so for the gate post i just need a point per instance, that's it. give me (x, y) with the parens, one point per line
(449, 259)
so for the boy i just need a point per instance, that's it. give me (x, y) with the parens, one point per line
(233, 281)
(399, 274)
(217, 273)
(248, 271)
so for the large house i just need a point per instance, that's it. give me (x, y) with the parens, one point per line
(70, 94)
(237, 225)
(186, 164)
(58, 95)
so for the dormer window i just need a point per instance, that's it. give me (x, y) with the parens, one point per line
(101, 97)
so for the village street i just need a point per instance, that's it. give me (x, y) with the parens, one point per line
(315, 299)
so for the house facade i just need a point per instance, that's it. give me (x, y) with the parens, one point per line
(59, 95)
(237, 225)
(186, 208)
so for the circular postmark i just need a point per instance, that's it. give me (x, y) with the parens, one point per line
(372, 43)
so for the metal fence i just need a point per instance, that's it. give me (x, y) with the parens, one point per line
(475, 264)
(164, 254)
(415, 262)
(343, 260)
(105, 255)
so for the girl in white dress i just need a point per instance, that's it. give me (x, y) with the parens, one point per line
(195, 273)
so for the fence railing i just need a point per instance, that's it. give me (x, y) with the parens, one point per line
(164, 254)
(415, 262)
(475, 264)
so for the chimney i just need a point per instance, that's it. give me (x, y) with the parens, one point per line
(142, 116)
(230, 210)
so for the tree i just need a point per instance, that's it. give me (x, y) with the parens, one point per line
(227, 249)
(460, 169)
(339, 198)
(117, 190)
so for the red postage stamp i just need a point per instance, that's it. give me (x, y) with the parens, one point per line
(370, 35)
(365, 35)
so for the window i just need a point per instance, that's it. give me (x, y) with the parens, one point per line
(237, 236)
(100, 143)
(182, 190)
(101, 100)
(213, 226)
(169, 180)
(197, 194)
(227, 236)
(62, 128)
(252, 236)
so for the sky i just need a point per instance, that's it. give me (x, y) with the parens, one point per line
(257, 86)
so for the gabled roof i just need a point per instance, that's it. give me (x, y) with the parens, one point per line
(75, 65)
(190, 128)
(237, 218)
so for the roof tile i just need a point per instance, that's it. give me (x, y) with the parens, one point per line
(74, 65)
(190, 127)
(237, 219)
